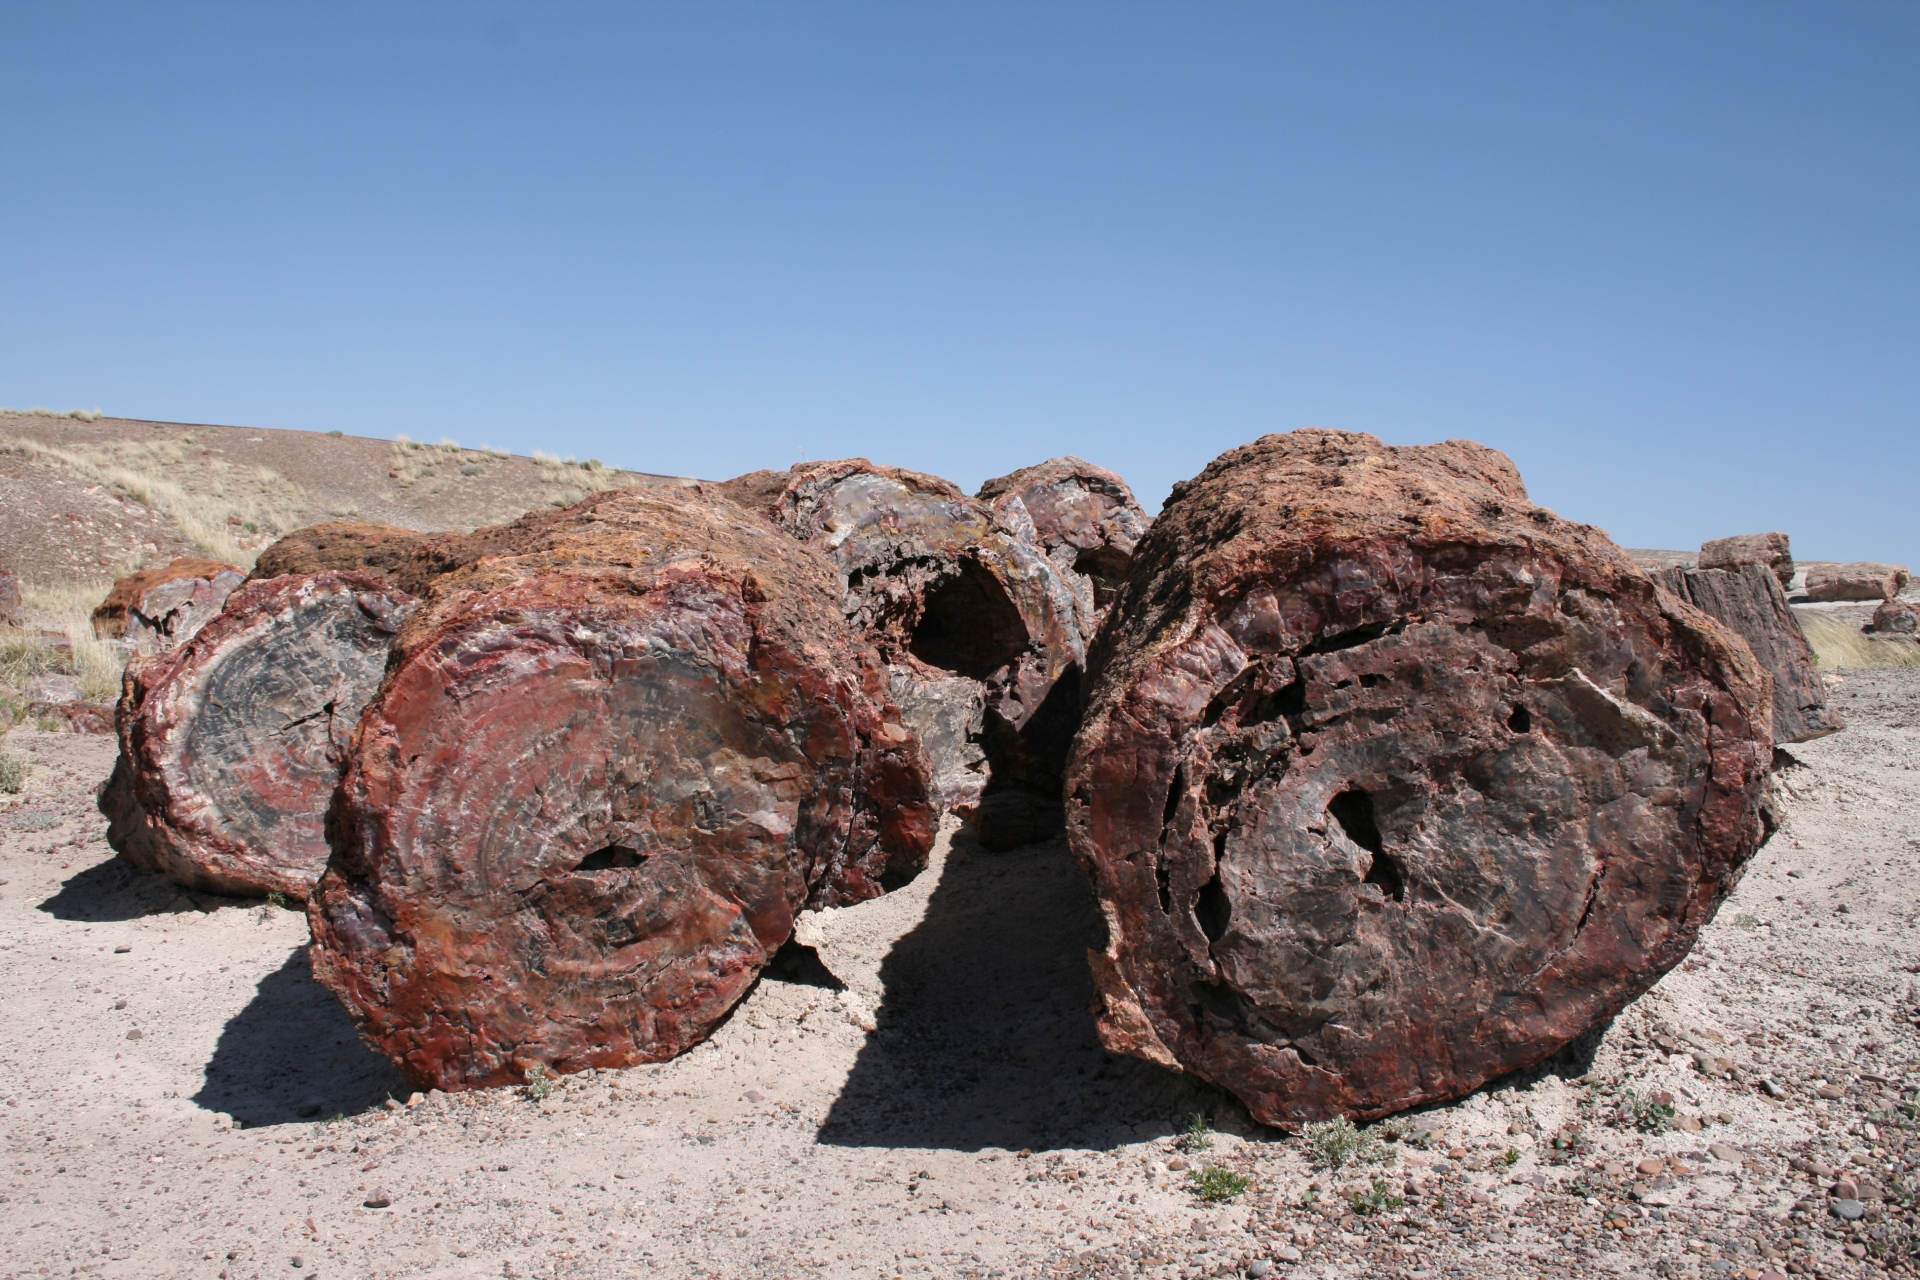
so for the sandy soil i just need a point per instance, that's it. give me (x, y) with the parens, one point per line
(56, 528)
(917, 1091)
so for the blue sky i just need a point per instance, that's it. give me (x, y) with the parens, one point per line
(1663, 255)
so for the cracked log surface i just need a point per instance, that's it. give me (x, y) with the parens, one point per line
(1748, 599)
(600, 780)
(983, 634)
(1392, 783)
(163, 607)
(1084, 517)
(231, 745)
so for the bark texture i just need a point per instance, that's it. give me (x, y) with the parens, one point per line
(978, 627)
(604, 773)
(231, 745)
(1392, 783)
(1752, 605)
(162, 608)
(1084, 517)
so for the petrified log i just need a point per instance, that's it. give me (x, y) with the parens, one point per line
(161, 608)
(1860, 580)
(1897, 618)
(1392, 782)
(231, 745)
(601, 778)
(1752, 605)
(977, 625)
(1770, 549)
(1083, 516)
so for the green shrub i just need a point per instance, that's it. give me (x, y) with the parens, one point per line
(13, 773)
(1214, 1184)
(1376, 1199)
(539, 1083)
(1334, 1144)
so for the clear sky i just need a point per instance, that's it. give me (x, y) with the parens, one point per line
(1664, 254)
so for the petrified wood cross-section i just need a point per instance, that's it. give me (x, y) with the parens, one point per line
(1392, 782)
(231, 745)
(602, 776)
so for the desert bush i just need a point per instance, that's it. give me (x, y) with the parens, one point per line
(13, 773)
(1334, 1144)
(1214, 1184)
(96, 664)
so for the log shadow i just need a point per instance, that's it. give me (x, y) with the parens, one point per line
(986, 1032)
(292, 1054)
(112, 890)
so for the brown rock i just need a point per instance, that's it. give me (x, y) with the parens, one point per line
(12, 608)
(75, 717)
(1857, 581)
(1752, 605)
(231, 745)
(1769, 550)
(600, 779)
(1084, 517)
(161, 608)
(1392, 783)
(408, 559)
(1897, 618)
(982, 634)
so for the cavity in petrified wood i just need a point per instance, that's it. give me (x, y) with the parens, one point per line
(601, 779)
(230, 746)
(976, 624)
(1392, 783)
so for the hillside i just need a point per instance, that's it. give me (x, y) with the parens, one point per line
(82, 500)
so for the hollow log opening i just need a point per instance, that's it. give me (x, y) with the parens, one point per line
(968, 625)
(615, 857)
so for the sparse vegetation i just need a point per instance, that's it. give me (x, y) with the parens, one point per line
(1838, 643)
(1375, 1199)
(96, 664)
(1199, 1133)
(1509, 1157)
(1334, 1144)
(1648, 1114)
(14, 771)
(539, 1083)
(83, 415)
(210, 500)
(1745, 921)
(1216, 1185)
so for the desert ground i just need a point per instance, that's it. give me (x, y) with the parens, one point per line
(916, 1090)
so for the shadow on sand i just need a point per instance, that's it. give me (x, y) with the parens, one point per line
(292, 1054)
(112, 890)
(986, 1032)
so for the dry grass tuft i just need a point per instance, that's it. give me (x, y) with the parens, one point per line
(83, 415)
(94, 662)
(1839, 644)
(229, 511)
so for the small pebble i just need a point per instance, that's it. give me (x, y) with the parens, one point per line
(1481, 1197)
(1651, 1165)
(1849, 1210)
(1830, 1092)
(378, 1198)
(1721, 1151)
(136, 1034)
(123, 949)
(1458, 1153)
(1287, 1253)
(1259, 1269)
(298, 1261)
(754, 1095)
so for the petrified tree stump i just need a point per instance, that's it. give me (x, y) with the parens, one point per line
(602, 776)
(163, 607)
(1860, 580)
(231, 745)
(982, 633)
(1392, 783)
(1773, 550)
(1752, 605)
(1083, 516)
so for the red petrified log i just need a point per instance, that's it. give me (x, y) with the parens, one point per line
(1748, 601)
(1083, 516)
(983, 634)
(161, 608)
(1392, 783)
(231, 745)
(601, 778)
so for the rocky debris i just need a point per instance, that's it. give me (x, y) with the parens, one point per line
(1770, 550)
(976, 624)
(1896, 618)
(1084, 517)
(602, 776)
(1392, 783)
(1860, 580)
(232, 744)
(12, 608)
(1750, 602)
(74, 716)
(161, 608)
